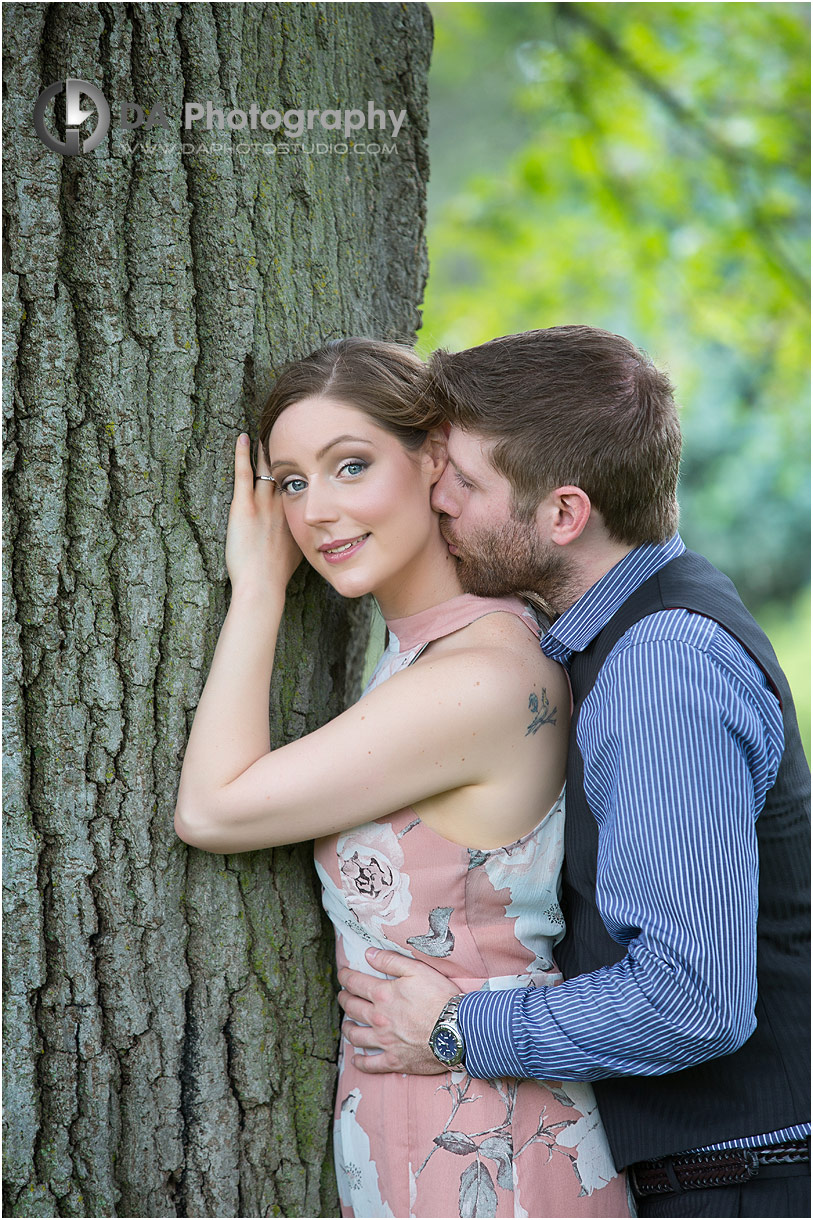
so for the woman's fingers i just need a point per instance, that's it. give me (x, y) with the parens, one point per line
(243, 474)
(261, 464)
(259, 544)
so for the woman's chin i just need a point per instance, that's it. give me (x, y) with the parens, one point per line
(349, 583)
(346, 581)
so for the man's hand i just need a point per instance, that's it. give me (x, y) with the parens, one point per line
(401, 1013)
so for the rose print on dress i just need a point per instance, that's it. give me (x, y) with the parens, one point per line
(368, 876)
(354, 938)
(370, 863)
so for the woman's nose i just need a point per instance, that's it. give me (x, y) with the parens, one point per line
(319, 502)
(443, 499)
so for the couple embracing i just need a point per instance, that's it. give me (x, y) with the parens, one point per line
(562, 837)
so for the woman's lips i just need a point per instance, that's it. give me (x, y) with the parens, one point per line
(343, 548)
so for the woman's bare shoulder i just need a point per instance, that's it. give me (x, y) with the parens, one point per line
(503, 649)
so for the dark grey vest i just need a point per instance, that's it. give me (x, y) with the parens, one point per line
(764, 1086)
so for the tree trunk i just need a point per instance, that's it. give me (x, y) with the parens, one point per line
(171, 1029)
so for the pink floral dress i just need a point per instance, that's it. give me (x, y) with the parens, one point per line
(450, 1145)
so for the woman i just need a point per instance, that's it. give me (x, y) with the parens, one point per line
(462, 733)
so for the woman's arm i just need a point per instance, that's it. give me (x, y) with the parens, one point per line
(425, 730)
(230, 729)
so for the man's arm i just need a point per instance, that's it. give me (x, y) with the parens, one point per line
(676, 771)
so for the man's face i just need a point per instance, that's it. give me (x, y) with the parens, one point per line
(497, 552)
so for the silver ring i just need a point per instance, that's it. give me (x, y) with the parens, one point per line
(268, 478)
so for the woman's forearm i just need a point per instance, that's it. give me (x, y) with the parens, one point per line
(230, 729)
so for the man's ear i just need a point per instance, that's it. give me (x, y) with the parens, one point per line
(435, 453)
(564, 514)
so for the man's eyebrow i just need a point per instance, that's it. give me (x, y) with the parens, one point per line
(360, 440)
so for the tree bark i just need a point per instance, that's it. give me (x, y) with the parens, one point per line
(171, 1027)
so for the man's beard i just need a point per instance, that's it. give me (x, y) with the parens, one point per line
(509, 559)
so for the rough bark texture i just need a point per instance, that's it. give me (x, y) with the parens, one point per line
(170, 1024)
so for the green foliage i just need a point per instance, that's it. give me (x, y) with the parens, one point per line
(644, 168)
(787, 624)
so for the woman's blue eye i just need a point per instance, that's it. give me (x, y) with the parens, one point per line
(292, 486)
(353, 468)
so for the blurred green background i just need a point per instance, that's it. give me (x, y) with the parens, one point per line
(645, 168)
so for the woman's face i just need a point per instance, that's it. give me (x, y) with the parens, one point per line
(356, 501)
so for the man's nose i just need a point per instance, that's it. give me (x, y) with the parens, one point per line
(443, 499)
(319, 502)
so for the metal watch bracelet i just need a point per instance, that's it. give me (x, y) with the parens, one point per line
(446, 1041)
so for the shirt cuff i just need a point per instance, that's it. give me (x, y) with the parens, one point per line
(485, 1019)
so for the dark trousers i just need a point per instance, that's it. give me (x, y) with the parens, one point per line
(778, 1190)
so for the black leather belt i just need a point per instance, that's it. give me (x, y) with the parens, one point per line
(702, 1170)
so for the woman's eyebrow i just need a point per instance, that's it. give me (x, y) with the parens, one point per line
(359, 440)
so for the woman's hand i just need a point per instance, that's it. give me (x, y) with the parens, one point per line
(260, 551)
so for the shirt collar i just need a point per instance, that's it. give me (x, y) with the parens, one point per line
(582, 622)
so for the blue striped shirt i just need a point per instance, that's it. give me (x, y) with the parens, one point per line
(680, 719)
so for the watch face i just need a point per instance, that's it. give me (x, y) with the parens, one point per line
(447, 1045)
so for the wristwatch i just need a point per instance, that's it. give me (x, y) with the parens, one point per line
(446, 1041)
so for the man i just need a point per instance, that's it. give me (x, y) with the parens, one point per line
(686, 852)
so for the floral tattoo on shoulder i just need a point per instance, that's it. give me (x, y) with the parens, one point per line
(542, 712)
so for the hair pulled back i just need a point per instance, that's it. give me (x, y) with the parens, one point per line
(387, 381)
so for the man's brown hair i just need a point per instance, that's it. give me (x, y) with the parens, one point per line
(572, 405)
